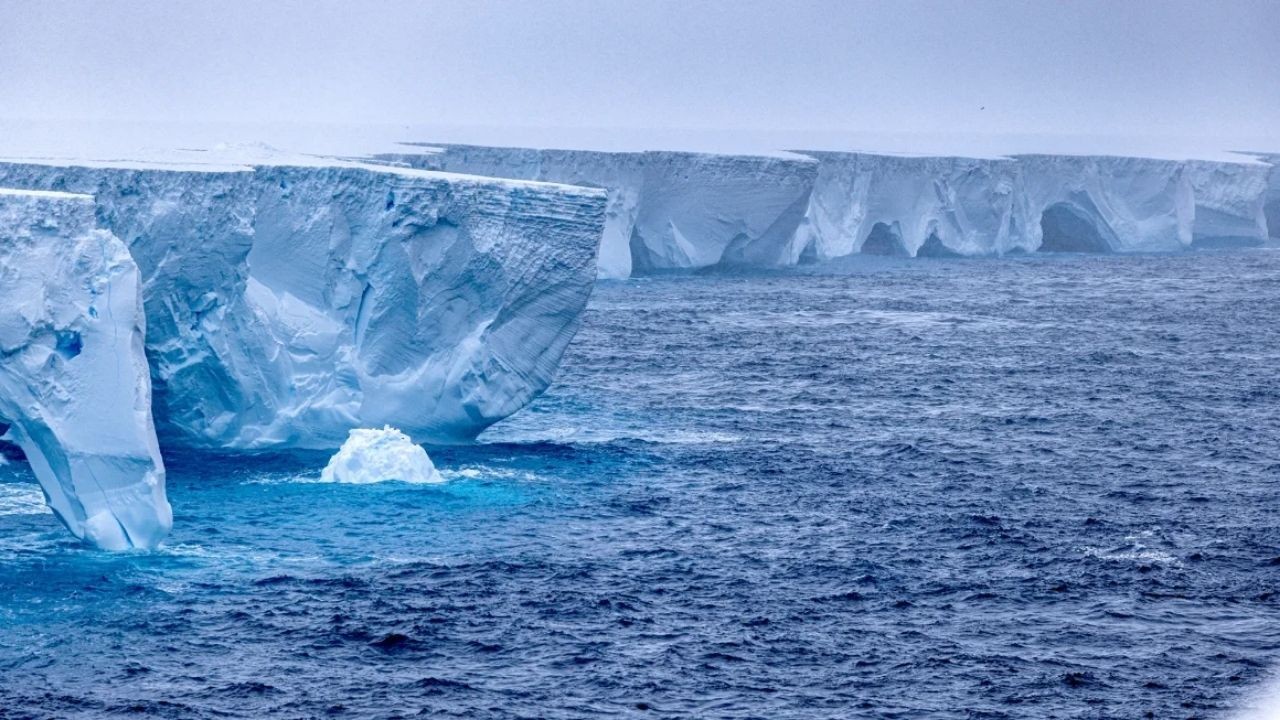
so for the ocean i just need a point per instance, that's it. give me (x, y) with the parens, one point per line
(1035, 487)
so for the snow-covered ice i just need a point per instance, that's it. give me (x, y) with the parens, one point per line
(909, 205)
(667, 210)
(371, 455)
(74, 384)
(290, 299)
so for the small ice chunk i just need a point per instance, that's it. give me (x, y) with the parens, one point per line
(371, 455)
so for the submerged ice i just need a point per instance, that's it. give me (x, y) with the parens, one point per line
(371, 455)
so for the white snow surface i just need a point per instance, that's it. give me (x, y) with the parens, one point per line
(74, 383)
(290, 301)
(371, 455)
(666, 210)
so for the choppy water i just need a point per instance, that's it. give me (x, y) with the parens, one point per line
(1031, 488)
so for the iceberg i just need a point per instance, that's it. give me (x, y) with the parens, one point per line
(74, 383)
(666, 210)
(373, 455)
(289, 299)
(1082, 203)
(907, 206)
(1271, 204)
(930, 206)
(1230, 200)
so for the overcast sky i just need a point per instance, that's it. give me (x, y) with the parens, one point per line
(1204, 68)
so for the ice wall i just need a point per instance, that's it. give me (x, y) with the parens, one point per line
(289, 302)
(74, 385)
(1271, 205)
(620, 174)
(1230, 200)
(1102, 204)
(667, 210)
(907, 206)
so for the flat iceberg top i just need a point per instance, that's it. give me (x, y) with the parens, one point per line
(45, 195)
(437, 147)
(1223, 158)
(250, 156)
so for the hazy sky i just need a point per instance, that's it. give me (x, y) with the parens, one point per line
(1209, 67)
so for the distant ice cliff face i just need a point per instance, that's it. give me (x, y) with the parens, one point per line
(674, 210)
(914, 206)
(1271, 204)
(288, 303)
(667, 210)
(74, 385)
(908, 206)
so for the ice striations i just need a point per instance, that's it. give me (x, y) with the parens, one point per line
(1271, 207)
(667, 210)
(921, 206)
(74, 386)
(1230, 203)
(905, 205)
(1081, 203)
(290, 300)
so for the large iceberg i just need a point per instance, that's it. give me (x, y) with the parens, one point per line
(74, 386)
(290, 300)
(1081, 203)
(906, 205)
(1271, 206)
(667, 210)
(1230, 203)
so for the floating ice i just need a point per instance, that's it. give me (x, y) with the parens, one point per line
(920, 206)
(291, 299)
(74, 386)
(666, 210)
(370, 455)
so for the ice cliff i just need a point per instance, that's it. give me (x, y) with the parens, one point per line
(900, 205)
(290, 301)
(667, 210)
(915, 206)
(1271, 206)
(74, 386)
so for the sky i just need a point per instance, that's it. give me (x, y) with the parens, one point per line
(1126, 68)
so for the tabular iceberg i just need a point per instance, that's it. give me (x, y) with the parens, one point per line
(1230, 203)
(1271, 206)
(620, 174)
(667, 210)
(289, 301)
(904, 205)
(914, 206)
(74, 385)
(1102, 204)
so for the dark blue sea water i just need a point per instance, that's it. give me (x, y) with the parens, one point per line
(1045, 487)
